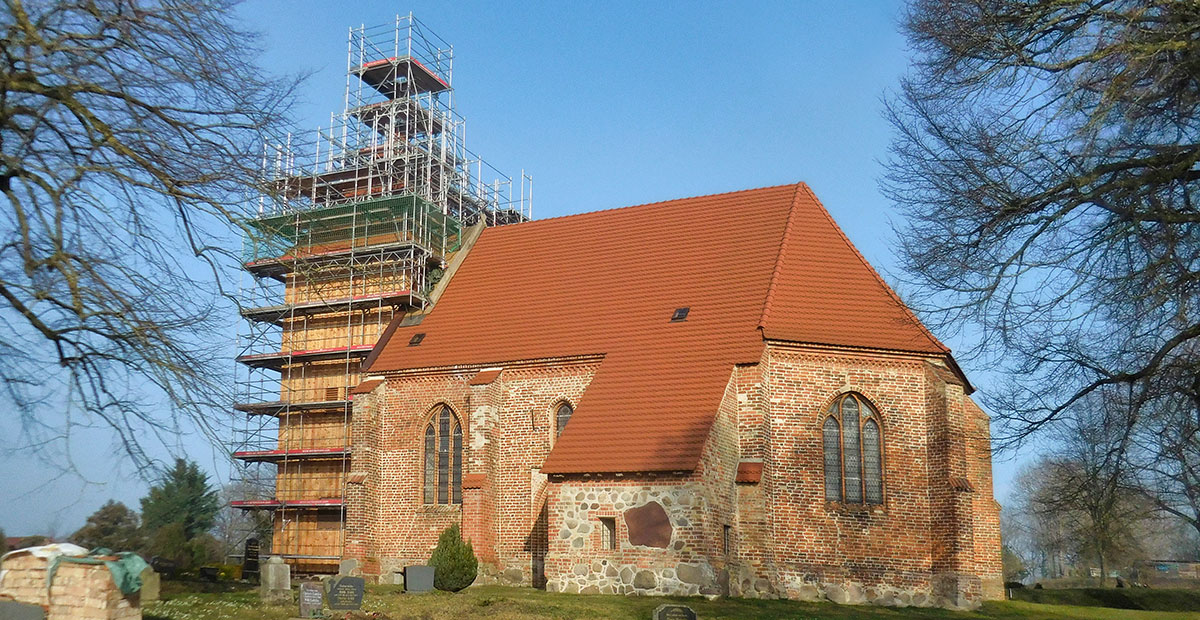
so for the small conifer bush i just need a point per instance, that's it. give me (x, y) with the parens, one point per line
(453, 561)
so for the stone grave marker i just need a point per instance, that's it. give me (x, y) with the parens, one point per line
(151, 585)
(346, 592)
(312, 599)
(673, 612)
(418, 578)
(275, 584)
(250, 558)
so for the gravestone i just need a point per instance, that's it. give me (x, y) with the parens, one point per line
(398, 578)
(151, 585)
(418, 578)
(312, 599)
(346, 592)
(673, 612)
(250, 558)
(275, 584)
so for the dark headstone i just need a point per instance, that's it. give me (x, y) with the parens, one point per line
(250, 558)
(164, 567)
(311, 599)
(673, 612)
(649, 525)
(12, 610)
(346, 592)
(418, 578)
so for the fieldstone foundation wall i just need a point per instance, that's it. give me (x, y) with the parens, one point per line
(669, 562)
(79, 591)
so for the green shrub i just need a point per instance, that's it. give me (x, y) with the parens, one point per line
(453, 561)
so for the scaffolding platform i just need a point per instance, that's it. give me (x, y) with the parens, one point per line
(400, 77)
(273, 456)
(278, 359)
(275, 504)
(279, 407)
(276, 314)
(402, 118)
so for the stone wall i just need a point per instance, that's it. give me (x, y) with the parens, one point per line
(670, 560)
(79, 591)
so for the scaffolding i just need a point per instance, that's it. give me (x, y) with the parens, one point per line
(354, 228)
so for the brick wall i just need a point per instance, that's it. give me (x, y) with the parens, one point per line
(79, 591)
(935, 540)
(508, 428)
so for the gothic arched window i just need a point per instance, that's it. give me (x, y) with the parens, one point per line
(561, 417)
(443, 458)
(853, 452)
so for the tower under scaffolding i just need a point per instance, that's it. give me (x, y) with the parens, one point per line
(354, 228)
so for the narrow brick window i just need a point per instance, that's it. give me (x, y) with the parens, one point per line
(561, 417)
(833, 460)
(726, 539)
(443, 459)
(608, 532)
(872, 463)
(430, 469)
(852, 442)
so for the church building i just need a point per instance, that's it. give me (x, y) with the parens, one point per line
(712, 395)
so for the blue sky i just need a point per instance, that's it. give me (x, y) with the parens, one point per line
(606, 105)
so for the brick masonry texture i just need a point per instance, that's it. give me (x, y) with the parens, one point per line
(79, 591)
(934, 541)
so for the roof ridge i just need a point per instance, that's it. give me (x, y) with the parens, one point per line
(878, 278)
(778, 267)
(530, 223)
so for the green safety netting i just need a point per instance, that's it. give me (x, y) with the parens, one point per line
(357, 224)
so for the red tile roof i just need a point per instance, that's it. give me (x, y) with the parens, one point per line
(751, 263)
(749, 472)
(485, 377)
(366, 386)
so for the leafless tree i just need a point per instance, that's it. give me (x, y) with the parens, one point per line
(1166, 449)
(130, 132)
(1079, 500)
(1046, 166)
(234, 526)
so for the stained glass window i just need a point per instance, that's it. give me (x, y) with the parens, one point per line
(443, 459)
(457, 486)
(853, 452)
(872, 463)
(833, 461)
(562, 416)
(430, 464)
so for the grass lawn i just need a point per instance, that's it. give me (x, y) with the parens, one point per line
(527, 604)
(1120, 598)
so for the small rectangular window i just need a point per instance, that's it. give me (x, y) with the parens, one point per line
(416, 339)
(680, 314)
(726, 542)
(608, 532)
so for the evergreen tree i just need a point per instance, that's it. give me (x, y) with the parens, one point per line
(177, 514)
(453, 561)
(182, 496)
(113, 526)
(3, 543)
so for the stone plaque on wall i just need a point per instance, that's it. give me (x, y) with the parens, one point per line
(649, 525)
